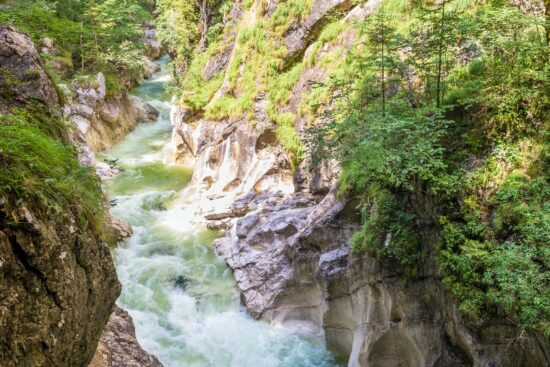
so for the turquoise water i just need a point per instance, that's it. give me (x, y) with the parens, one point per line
(183, 298)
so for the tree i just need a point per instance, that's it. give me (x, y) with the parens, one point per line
(382, 43)
(431, 44)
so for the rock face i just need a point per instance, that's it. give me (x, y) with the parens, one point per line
(57, 280)
(227, 162)
(57, 287)
(294, 267)
(118, 346)
(22, 75)
(287, 234)
(58, 283)
(101, 122)
(153, 47)
(299, 35)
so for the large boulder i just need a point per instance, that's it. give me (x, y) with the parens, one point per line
(22, 75)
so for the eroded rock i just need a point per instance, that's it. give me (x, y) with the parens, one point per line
(302, 31)
(101, 122)
(118, 346)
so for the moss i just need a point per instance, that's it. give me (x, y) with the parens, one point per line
(388, 230)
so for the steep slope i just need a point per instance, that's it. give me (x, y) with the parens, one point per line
(248, 102)
(58, 283)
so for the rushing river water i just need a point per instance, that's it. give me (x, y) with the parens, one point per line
(183, 299)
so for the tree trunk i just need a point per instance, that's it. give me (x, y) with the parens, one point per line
(383, 68)
(440, 55)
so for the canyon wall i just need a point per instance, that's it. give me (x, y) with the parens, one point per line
(58, 284)
(57, 279)
(287, 233)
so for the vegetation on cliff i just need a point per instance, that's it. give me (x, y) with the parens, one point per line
(437, 112)
(76, 38)
(40, 168)
(441, 124)
(88, 36)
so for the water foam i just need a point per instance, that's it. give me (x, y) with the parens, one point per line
(183, 299)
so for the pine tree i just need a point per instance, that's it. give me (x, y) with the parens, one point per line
(382, 42)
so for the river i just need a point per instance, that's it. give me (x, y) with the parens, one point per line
(182, 297)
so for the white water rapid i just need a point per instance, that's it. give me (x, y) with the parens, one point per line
(183, 299)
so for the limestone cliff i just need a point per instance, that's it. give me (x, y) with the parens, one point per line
(287, 235)
(57, 279)
(58, 283)
(101, 121)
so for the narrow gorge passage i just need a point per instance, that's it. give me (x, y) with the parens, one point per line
(183, 299)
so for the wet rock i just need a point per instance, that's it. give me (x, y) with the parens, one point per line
(181, 281)
(144, 111)
(22, 75)
(118, 346)
(149, 67)
(118, 228)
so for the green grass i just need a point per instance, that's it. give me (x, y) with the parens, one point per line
(39, 168)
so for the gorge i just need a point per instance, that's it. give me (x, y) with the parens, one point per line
(267, 195)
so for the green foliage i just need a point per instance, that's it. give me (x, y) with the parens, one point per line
(199, 91)
(93, 35)
(112, 27)
(39, 19)
(180, 27)
(177, 26)
(502, 237)
(287, 12)
(442, 113)
(387, 224)
(396, 153)
(286, 134)
(41, 170)
(509, 81)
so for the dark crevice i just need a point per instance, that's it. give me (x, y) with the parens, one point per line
(313, 33)
(22, 257)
